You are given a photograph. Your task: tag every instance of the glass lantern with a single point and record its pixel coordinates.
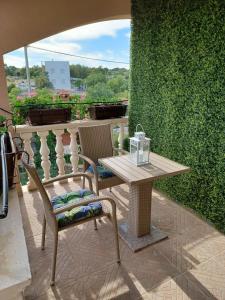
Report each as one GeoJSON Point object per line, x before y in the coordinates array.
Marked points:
{"type": "Point", "coordinates": [139, 148]}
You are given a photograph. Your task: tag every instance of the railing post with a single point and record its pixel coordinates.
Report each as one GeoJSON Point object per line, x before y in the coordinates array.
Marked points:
{"type": "Point", "coordinates": [26, 137]}
{"type": "Point", "coordinates": [59, 151]}
{"type": "Point", "coordinates": [121, 136]}
{"type": "Point", "coordinates": [74, 149]}
{"type": "Point", "coordinates": [44, 150]}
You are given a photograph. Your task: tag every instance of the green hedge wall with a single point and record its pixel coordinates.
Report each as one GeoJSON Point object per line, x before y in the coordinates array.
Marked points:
{"type": "Point", "coordinates": [178, 95]}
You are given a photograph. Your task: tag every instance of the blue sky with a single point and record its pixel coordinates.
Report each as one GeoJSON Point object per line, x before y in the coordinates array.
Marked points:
{"type": "Point", "coordinates": [108, 40]}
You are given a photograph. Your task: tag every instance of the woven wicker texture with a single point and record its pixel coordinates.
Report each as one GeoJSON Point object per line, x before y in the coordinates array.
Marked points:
{"type": "Point", "coordinates": [96, 141]}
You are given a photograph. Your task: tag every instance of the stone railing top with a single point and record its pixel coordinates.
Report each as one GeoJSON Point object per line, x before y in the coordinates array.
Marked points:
{"type": "Point", "coordinates": [74, 124]}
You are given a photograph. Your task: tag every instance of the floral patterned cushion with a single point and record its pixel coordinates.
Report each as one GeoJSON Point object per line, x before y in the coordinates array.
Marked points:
{"type": "Point", "coordinates": [102, 172]}
{"type": "Point", "coordinates": [78, 213]}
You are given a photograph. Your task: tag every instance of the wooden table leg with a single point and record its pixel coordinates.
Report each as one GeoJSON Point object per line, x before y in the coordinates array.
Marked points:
{"type": "Point", "coordinates": [139, 233]}
{"type": "Point", "coordinates": [140, 200]}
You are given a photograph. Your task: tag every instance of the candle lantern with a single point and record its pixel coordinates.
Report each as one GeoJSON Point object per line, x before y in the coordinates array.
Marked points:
{"type": "Point", "coordinates": [139, 147]}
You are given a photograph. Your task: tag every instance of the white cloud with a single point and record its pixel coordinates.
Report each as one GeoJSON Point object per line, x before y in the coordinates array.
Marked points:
{"type": "Point", "coordinates": [92, 31]}
{"type": "Point", "coordinates": [14, 60]}
{"type": "Point", "coordinates": [68, 42]}
{"type": "Point", "coordinates": [67, 47]}
{"type": "Point", "coordinates": [37, 57]}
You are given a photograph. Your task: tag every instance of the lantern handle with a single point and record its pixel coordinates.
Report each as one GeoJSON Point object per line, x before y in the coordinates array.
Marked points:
{"type": "Point", "coordinates": [140, 126]}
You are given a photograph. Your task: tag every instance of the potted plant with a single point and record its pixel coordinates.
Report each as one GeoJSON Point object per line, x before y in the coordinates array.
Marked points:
{"type": "Point", "coordinates": [48, 115]}
{"type": "Point", "coordinates": [108, 110]}
{"type": "Point", "coordinates": [41, 109]}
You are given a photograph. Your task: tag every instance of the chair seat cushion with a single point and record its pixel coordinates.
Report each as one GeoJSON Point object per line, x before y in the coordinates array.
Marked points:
{"type": "Point", "coordinates": [102, 172]}
{"type": "Point", "coordinates": [79, 213]}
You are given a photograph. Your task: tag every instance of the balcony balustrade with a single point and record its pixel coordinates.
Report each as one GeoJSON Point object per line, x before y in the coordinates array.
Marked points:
{"type": "Point", "coordinates": [26, 133]}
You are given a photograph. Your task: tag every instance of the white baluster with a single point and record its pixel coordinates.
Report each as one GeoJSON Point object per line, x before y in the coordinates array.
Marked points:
{"type": "Point", "coordinates": [74, 149]}
{"type": "Point", "coordinates": [59, 151]}
{"type": "Point", "coordinates": [26, 137]}
{"type": "Point", "coordinates": [121, 136]}
{"type": "Point", "coordinates": [44, 150]}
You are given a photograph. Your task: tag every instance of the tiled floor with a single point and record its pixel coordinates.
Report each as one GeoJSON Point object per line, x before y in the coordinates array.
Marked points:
{"type": "Point", "coordinates": [188, 265]}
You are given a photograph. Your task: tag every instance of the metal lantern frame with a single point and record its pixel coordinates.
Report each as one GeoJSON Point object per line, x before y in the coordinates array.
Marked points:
{"type": "Point", "coordinates": [135, 142]}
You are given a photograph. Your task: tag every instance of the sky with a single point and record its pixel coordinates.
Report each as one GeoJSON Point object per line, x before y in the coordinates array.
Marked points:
{"type": "Point", "coordinates": [108, 40]}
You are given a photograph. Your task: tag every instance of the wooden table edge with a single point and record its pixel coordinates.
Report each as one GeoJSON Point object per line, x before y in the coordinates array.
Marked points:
{"type": "Point", "coordinates": [131, 182]}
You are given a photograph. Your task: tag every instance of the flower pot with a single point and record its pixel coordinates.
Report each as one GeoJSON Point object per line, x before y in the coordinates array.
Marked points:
{"type": "Point", "coordinates": [47, 116]}
{"type": "Point", "coordinates": [66, 138]}
{"type": "Point", "coordinates": [103, 111]}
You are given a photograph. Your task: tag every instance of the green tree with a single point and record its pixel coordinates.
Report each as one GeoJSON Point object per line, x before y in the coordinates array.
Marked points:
{"type": "Point", "coordinates": [78, 83]}
{"type": "Point", "coordinates": [35, 71]}
{"type": "Point", "coordinates": [10, 70]}
{"type": "Point", "coordinates": [78, 71]}
{"type": "Point", "coordinates": [10, 87]}
{"type": "Point", "coordinates": [42, 81]}
{"type": "Point", "coordinates": [94, 79]}
{"type": "Point", "coordinates": [118, 84]}
{"type": "Point", "coordinates": [14, 93]}
{"type": "Point", "coordinates": [100, 92]}
{"type": "Point", "coordinates": [21, 72]}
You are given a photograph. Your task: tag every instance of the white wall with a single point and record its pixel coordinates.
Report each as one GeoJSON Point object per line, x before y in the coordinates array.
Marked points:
{"type": "Point", "coordinates": [59, 74]}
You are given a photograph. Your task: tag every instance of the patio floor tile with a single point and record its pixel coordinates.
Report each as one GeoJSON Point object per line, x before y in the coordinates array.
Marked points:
{"type": "Point", "coordinates": [190, 264]}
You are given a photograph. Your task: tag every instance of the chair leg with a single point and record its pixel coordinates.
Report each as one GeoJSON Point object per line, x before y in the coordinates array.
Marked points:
{"type": "Point", "coordinates": [116, 234]}
{"type": "Point", "coordinates": [95, 224]}
{"type": "Point", "coordinates": [110, 189]}
{"type": "Point", "coordinates": [97, 190]}
{"type": "Point", "coordinates": [43, 233]}
{"type": "Point", "coordinates": [83, 185]}
{"type": "Point", "coordinates": [54, 259]}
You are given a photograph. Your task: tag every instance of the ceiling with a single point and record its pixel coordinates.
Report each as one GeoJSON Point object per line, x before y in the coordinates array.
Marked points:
{"type": "Point", "coordinates": [26, 21]}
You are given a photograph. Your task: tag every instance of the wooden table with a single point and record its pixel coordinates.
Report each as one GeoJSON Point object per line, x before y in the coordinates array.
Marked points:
{"type": "Point", "coordinates": [138, 232]}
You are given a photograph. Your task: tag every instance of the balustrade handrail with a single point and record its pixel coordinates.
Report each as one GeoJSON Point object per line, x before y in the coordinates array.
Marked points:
{"type": "Point", "coordinates": [73, 124]}
{"type": "Point", "coordinates": [67, 103]}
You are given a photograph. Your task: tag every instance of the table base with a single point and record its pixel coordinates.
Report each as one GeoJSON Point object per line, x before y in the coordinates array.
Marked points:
{"type": "Point", "coordinates": [138, 243]}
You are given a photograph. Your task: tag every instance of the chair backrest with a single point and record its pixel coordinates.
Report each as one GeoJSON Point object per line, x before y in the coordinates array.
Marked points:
{"type": "Point", "coordinates": [96, 141]}
{"type": "Point", "coordinates": [48, 210]}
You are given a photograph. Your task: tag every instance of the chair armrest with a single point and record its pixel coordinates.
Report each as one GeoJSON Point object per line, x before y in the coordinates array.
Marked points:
{"type": "Point", "coordinates": [83, 203]}
{"type": "Point", "coordinates": [78, 174]}
{"type": "Point", "coordinates": [91, 163]}
{"type": "Point", "coordinates": [120, 150]}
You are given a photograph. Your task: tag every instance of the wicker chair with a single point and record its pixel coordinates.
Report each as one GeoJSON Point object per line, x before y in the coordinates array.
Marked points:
{"type": "Point", "coordinates": [96, 142]}
{"type": "Point", "coordinates": [70, 209]}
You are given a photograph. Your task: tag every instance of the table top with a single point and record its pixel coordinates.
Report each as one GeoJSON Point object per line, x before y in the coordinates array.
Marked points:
{"type": "Point", "coordinates": [159, 167]}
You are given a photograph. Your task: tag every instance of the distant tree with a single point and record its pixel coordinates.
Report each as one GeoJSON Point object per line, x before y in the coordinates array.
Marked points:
{"type": "Point", "coordinates": [10, 70]}
{"type": "Point", "coordinates": [118, 84]}
{"type": "Point", "coordinates": [10, 87]}
{"type": "Point", "coordinates": [21, 72]}
{"type": "Point", "coordinates": [79, 83]}
{"type": "Point", "coordinates": [78, 71]}
{"type": "Point", "coordinates": [35, 71]}
{"type": "Point", "coordinates": [14, 93]}
{"type": "Point", "coordinates": [95, 78]}
{"type": "Point", "coordinates": [42, 81]}
{"type": "Point", "coordinates": [100, 91]}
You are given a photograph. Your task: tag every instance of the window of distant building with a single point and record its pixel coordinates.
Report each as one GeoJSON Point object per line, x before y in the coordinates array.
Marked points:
{"type": "Point", "coordinates": [63, 81]}
{"type": "Point", "coordinates": [52, 70]}
{"type": "Point", "coordinates": [62, 71]}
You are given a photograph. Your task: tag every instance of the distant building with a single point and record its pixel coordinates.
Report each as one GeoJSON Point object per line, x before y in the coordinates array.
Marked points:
{"type": "Point", "coordinates": [58, 74]}
{"type": "Point", "coordinates": [22, 84]}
